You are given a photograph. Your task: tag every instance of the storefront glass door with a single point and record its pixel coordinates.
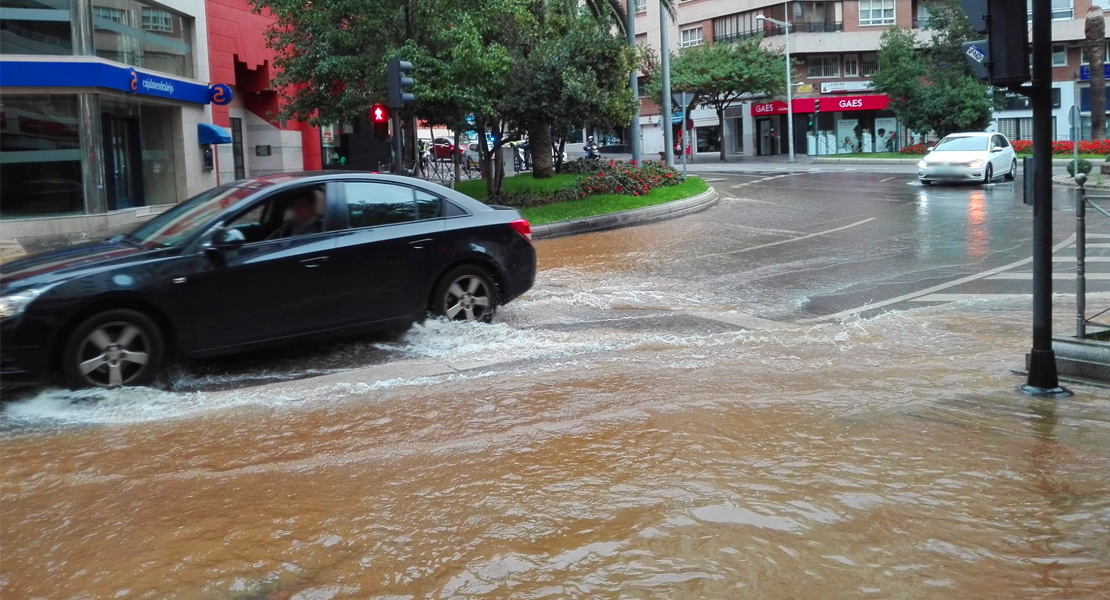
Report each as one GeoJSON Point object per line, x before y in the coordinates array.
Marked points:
{"type": "Point", "coordinates": [123, 164]}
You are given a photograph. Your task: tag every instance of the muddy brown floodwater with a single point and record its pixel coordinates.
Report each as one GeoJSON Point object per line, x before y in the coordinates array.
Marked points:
{"type": "Point", "coordinates": [654, 453]}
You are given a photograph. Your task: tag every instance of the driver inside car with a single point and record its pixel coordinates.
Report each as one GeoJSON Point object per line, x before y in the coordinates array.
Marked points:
{"type": "Point", "coordinates": [303, 217]}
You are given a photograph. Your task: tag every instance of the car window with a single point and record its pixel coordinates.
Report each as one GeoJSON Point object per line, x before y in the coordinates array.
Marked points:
{"type": "Point", "coordinates": [428, 206]}
{"type": "Point", "coordinates": [374, 204]}
{"type": "Point", "coordinates": [1000, 140]}
{"type": "Point", "coordinates": [962, 143]}
{"type": "Point", "coordinates": [292, 213]}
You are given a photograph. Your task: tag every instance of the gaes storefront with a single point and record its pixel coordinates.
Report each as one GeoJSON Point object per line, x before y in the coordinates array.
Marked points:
{"type": "Point", "coordinates": [844, 125]}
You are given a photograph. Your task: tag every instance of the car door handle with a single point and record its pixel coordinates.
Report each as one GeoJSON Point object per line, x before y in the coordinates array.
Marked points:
{"type": "Point", "coordinates": [312, 263]}
{"type": "Point", "coordinates": [419, 244]}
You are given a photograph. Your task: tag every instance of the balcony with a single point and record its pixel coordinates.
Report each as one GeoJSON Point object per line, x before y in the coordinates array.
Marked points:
{"type": "Point", "coordinates": [816, 27]}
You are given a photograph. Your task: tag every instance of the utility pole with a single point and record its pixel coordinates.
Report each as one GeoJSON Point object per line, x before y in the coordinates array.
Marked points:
{"type": "Point", "coordinates": [665, 67]}
{"type": "Point", "coordinates": [789, 80]}
{"type": "Point", "coordinates": [1043, 379]}
{"type": "Point", "coordinates": [634, 127]}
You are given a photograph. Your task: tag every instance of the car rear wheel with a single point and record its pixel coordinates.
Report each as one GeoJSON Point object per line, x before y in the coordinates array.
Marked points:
{"type": "Point", "coordinates": [1013, 171]}
{"type": "Point", "coordinates": [988, 174]}
{"type": "Point", "coordinates": [112, 349]}
{"type": "Point", "coordinates": [466, 293]}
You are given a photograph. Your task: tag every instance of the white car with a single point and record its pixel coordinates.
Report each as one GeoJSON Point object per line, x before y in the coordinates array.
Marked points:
{"type": "Point", "coordinates": [969, 157]}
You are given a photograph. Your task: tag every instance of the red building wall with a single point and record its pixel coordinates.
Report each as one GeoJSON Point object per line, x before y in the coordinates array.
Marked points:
{"type": "Point", "coordinates": [238, 56]}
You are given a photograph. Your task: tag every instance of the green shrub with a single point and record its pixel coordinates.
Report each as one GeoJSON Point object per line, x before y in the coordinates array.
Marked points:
{"type": "Point", "coordinates": [1085, 167]}
{"type": "Point", "coordinates": [602, 177]}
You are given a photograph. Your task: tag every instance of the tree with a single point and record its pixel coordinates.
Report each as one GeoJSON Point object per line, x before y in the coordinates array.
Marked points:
{"type": "Point", "coordinates": [1095, 30]}
{"type": "Point", "coordinates": [723, 74]}
{"type": "Point", "coordinates": [929, 84]}
{"type": "Point", "coordinates": [570, 69]}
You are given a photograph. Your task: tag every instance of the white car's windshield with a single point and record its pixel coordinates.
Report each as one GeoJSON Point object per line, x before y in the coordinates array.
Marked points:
{"type": "Point", "coordinates": [962, 144]}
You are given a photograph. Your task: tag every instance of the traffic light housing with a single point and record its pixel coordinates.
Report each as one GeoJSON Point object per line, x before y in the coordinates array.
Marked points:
{"type": "Point", "coordinates": [1003, 58]}
{"type": "Point", "coordinates": [399, 83]}
{"type": "Point", "coordinates": [817, 105]}
{"type": "Point", "coordinates": [379, 120]}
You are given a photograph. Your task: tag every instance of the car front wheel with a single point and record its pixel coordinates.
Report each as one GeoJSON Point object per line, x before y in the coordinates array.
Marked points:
{"type": "Point", "coordinates": [466, 293]}
{"type": "Point", "coordinates": [112, 349]}
{"type": "Point", "coordinates": [1013, 171]}
{"type": "Point", "coordinates": [988, 174]}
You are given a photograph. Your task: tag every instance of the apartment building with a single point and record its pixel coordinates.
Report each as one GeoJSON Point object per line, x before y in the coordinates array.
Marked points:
{"type": "Point", "coordinates": [835, 49]}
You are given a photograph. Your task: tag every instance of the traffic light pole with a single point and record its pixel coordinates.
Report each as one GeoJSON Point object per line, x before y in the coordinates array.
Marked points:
{"type": "Point", "coordinates": [398, 159]}
{"type": "Point", "coordinates": [1042, 379]}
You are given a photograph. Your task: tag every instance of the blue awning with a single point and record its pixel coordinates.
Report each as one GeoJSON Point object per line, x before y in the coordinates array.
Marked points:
{"type": "Point", "coordinates": [208, 133]}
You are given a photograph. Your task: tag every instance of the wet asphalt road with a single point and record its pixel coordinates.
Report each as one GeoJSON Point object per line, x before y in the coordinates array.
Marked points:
{"type": "Point", "coordinates": [800, 393]}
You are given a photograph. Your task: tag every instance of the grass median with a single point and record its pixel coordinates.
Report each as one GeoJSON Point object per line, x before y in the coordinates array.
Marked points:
{"type": "Point", "coordinates": [600, 204]}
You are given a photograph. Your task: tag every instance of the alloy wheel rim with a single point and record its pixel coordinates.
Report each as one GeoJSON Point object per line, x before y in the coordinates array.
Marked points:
{"type": "Point", "coordinates": [113, 354]}
{"type": "Point", "coordinates": [467, 299]}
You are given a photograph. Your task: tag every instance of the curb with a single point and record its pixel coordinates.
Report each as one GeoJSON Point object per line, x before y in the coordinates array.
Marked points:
{"type": "Point", "coordinates": [1056, 162]}
{"type": "Point", "coordinates": [627, 218]}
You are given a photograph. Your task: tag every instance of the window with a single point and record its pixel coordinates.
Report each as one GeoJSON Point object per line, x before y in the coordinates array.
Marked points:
{"type": "Point", "coordinates": [691, 37]}
{"type": "Point", "coordinates": [1000, 140]}
{"type": "Point", "coordinates": [1059, 55]}
{"type": "Point", "coordinates": [876, 12]}
{"type": "Point", "coordinates": [107, 13]}
{"type": "Point", "coordinates": [1061, 9]}
{"type": "Point", "coordinates": [376, 204]}
{"type": "Point", "coordinates": [40, 27]}
{"type": "Point", "coordinates": [869, 64]}
{"type": "Point", "coordinates": [428, 206]}
{"type": "Point", "coordinates": [295, 213]}
{"type": "Point", "coordinates": [40, 164]}
{"type": "Point", "coordinates": [641, 6]}
{"type": "Point", "coordinates": [156, 19]}
{"type": "Point", "coordinates": [822, 66]}
{"type": "Point", "coordinates": [851, 65]}
{"type": "Point", "coordinates": [736, 27]}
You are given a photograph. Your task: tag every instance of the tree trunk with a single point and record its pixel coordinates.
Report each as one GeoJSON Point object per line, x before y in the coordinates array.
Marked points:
{"type": "Point", "coordinates": [539, 143]}
{"type": "Point", "coordinates": [721, 132]}
{"type": "Point", "coordinates": [457, 156]}
{"type": "Point", "coordinates": [494, 186]}
{"type": "Point", "coordinates": [1095, 30]}
{"type": "Point", "coordinates": [559, 155]}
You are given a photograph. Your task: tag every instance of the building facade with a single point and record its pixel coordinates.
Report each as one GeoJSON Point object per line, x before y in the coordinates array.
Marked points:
{"type": "Point", "coordinates": [261, 143]}
{"type": "Point", "coordinates": [101, 107]}
{"type": "Point", "coordinates": [834, 46]}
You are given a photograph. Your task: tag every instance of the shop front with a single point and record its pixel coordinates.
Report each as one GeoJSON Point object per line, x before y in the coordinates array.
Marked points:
{"type": "Point", "coordinates": [86, 137]}
{"type": "Point", "coordinates": [843, 125]}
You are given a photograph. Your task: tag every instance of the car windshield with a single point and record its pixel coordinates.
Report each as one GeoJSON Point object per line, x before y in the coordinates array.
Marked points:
{"type": "Point", "coordinates": [962, 144]}
{"type": "Point", "coordinates": [180, 222]}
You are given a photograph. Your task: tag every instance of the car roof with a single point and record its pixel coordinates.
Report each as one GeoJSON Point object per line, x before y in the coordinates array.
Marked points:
{"type": "Point", "coordinates": [281, 180]}
{"type": "Point", "coordinates": [973, 134]}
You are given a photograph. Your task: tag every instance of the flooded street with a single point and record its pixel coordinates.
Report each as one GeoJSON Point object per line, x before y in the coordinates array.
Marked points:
{"type": "Point", "coordinates": [778, 398]}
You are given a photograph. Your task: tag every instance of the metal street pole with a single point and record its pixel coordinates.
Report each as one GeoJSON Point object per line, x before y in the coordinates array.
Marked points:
{"type": "Point", "coordinates": [665, 67]}
{"type": "Point", "coordinates": [1043, 379]}
{"type": "Point", "coordinates": [684, 142]}
{"type": "Point", "coordinates": [789, 83]}
{"type": "Point", "coordinates": [634, 128]}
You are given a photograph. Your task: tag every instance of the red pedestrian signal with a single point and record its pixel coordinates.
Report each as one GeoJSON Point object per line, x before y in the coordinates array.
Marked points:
{"type": "Point", "coordinates": [379, 113]}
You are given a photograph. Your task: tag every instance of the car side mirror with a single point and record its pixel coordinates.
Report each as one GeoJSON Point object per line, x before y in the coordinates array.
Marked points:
{"type": "Point", "coordinates": [996, 149]}
{"type": "Point", "coordinates": [227, 238]}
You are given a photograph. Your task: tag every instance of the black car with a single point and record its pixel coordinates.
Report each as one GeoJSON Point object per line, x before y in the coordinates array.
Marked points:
{"type": "Point", "coordinates": [258, 263]}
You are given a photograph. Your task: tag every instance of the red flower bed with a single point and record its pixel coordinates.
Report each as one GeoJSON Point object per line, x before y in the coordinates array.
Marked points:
{"type": "Point", "coordinates": [1064, 148]}
{"type": "Point", "coordinates": [617, 177]}
{"type": "Point", "coordinates": [915, 149]}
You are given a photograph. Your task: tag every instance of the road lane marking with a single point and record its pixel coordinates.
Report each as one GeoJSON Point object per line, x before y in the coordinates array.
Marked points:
{"type": "Point", "coordinates": [713, 180]}
{"type": "Point", "coordinates": [1099, 245]}
{"type": "Point", "coordinates": [958, 297]}
{"type": "Point", "coordinates": [780, 242]}
{"type": "Point", "coordinates": [1098, 236]}
{"type": "Point", "coordinates": [887, 179]}
{"type": "Point", "coordinates": [1068, 276]}
{"type": "Point", "coordinates": [935, 288]}
{"type": "Point", "coordinates": [1090, 259]}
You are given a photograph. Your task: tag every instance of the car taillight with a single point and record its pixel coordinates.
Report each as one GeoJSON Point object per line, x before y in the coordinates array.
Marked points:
{"type": "Point", "coordinates": [522, 227]}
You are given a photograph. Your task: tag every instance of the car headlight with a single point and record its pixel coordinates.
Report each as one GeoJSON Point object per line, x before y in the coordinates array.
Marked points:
{"type": "Point", "coordinates": [13, 304]}
{"type": "Point", "coordinates": [975, 163]}
{"type": "Point", "coordinates": [922, 164]}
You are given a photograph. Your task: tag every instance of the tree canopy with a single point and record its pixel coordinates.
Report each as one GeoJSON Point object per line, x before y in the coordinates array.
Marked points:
{"type": "Point", "coordinates": [721, 75]}
{"type": "Point", "coordinates": [929, 84]}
